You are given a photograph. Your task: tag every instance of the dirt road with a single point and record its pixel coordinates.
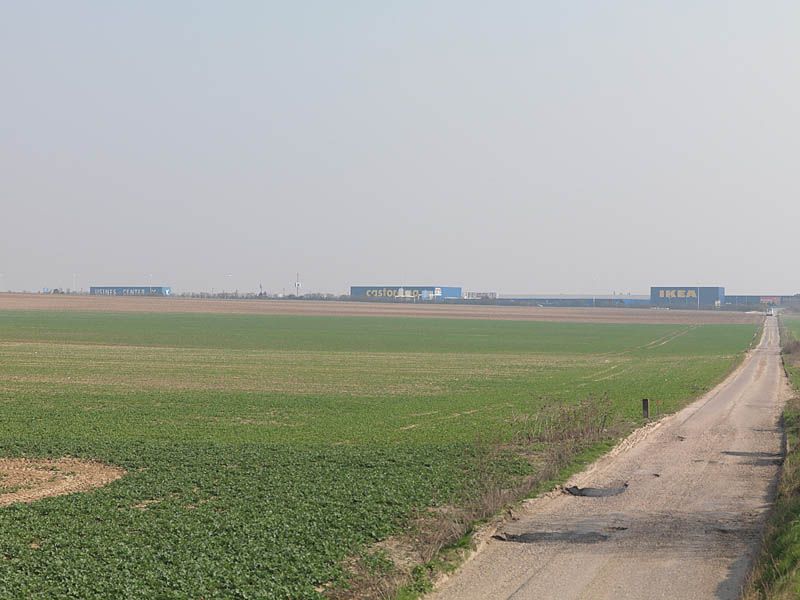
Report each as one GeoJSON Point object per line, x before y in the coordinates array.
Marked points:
{"type": "Point", "coordinates": [687, 525]}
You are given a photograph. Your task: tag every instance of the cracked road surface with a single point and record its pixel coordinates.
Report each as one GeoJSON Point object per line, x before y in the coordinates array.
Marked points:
{"type": "Point", "coordinates": [688, 524]}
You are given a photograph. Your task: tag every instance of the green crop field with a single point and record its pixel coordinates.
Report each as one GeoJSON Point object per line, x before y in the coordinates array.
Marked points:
{"type": "Point", "coordinates": [263, 451]}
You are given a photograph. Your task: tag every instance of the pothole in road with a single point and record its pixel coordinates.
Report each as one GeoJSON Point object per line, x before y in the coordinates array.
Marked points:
{"type": "Point", "coordinates": [585, 531]}
{"type": "Point", "coordinates": [757, 459]}
{"type": "Point", "coordinates": [581, 537]}
{"type": "Point", "coordinates": [595, 492]}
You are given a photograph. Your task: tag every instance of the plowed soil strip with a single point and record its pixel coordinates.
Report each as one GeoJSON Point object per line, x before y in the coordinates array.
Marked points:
{"type": "Point", "coordinates": [368, 309]}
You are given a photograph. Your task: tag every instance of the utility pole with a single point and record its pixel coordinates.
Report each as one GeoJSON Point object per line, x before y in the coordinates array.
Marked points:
{"type": "Point", "coordinates": [297, 285]}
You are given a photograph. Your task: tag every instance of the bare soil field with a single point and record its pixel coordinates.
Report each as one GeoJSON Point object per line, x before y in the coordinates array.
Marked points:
{"type": "Point", "coordinates": [28, 480]}
{"type": "Point", "coordinates": [302, 307]}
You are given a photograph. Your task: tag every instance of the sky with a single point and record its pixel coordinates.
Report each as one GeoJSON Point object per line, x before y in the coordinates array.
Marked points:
{"type": "Point", "coordinates": [580, 147]}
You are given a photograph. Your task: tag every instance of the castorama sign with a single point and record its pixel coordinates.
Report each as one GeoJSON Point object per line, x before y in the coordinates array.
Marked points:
{"type": "Point", "coordinates": [390, 292]}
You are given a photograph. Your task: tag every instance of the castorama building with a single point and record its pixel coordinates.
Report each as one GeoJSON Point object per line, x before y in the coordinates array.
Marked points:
{"type": "Point", "coordinates": [405, 292]}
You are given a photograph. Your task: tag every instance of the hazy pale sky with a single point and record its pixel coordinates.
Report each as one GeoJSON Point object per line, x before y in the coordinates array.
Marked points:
{"type": "Point", "coordinates": [509, 146]}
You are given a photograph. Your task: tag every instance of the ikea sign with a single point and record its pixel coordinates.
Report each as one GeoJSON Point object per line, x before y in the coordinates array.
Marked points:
{"type": "Point", "coordinates": [677, 293]}
{"type": "Point", "coordinates": [687, 296]}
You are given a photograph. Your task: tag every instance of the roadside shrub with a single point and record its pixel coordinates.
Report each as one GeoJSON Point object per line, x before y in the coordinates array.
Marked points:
{"type": "Point", "coordinates": [791, 346]}
{"type": "Point", "coordinates": [789, 343]}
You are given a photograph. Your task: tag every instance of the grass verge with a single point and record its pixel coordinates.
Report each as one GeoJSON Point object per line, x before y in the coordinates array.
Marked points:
{"type": "Point", "coordinates": [776, 575]}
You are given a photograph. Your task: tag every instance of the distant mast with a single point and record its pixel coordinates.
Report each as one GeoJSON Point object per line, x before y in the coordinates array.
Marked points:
{"type": "Point", "coordinates": [297, 285]}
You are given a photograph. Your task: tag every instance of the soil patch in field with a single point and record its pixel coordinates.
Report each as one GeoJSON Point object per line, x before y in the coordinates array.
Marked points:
{"type": "Point", "coordinates": [28, 480]}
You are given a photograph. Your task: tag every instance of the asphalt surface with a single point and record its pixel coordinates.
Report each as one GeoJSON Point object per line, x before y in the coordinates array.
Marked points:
{"type": "Point", "coordinates": [688, 524]}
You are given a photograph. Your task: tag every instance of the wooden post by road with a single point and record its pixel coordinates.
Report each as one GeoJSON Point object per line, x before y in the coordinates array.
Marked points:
{"type": "Point", "coordinates": [645, 408]}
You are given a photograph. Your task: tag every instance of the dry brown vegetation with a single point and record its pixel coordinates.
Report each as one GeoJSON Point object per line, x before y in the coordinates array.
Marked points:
{"type": "Point", "coordinates": [791, 347]}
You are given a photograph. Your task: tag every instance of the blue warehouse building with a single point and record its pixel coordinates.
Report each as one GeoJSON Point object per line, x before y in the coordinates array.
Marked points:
{"type": "Point", "coordinates": [578, 301]}
{"type": "Point", "coordinates": [689, 297]}
{"type": "Point", "coordinates": [405, 292]}
{"type": "Point", "coordinates": [129, 290]}
{"type": "Point", "coordinates": [738, 301]}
